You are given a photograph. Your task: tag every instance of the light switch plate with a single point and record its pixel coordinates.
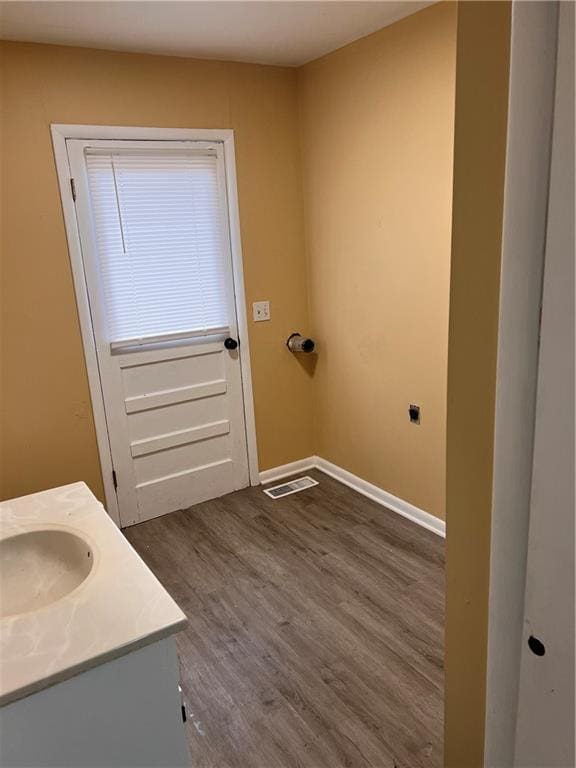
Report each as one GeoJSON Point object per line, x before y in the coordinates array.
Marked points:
{"type": "Point", "coordinates": [261, 311]}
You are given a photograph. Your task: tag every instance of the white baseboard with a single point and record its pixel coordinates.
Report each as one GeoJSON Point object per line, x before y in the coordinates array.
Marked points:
{"type": "Point", "coordinates": [401, 507]}
{"type": "Point", "coordinates": [285, 470]}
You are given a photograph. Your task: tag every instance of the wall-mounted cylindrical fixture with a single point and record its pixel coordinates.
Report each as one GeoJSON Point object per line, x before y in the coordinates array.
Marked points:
{"type": "Point", "coordinates": [298, 343]}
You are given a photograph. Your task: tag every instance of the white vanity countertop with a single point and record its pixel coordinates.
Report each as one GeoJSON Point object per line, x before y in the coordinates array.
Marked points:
{"type": "Point", "coordinates": [121, 606]}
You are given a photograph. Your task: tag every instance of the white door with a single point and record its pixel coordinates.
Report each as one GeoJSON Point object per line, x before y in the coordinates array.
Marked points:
{"type": "Point", "coordinates": [545, 730]}
{"type": "Point", "coordinates": [154, 230]}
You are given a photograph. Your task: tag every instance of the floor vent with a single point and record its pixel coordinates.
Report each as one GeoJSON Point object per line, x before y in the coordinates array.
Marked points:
{"type": "Point", "coordinates": [300, 484]}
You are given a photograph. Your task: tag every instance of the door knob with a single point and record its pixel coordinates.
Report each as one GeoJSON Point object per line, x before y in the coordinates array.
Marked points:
{"type": "Point", "coordinates": [230, 343]}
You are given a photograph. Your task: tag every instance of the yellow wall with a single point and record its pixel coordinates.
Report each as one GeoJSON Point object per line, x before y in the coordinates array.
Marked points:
{"type": "Point", "coordinates": [376, 118]}
{"type": "Point", "coordinates": [46, 422]}
{"type": "Point", "coordinates": [377, 142]}
{"type": "Point", "coordinates": [372, 124]}
{"type": "Point", "coordinates": [479, 160]}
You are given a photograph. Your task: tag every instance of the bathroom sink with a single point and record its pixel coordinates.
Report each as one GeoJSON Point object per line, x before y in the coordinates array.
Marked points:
{"type": "Point", "coordinates": [39, 567]}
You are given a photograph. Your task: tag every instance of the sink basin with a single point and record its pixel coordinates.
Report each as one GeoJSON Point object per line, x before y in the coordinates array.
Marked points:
{"type": "Point", "coordinates": [39, 567]}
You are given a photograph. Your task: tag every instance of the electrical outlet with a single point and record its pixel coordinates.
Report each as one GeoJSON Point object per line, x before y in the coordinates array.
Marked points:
{"type": "Point", "coordinates": [414, 413]}
{"type": "Point", "coordinates": [261, 311]}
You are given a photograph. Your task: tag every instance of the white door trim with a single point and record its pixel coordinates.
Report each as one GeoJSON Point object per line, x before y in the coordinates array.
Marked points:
{"type": "Point", "coordinates": [60, 133]}
{"type": "Point", "coordinates": [530, 118]}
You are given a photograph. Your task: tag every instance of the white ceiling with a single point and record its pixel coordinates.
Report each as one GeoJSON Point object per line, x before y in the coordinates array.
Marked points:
{"type": "Point", "coordinates": [269, 32]}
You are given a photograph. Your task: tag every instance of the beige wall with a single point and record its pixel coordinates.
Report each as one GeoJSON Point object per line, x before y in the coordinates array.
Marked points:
{"type": "Point", "coordinates": [377, 142]}
{"type": "Point", "coordinates": [46, 424]}
{"type": "Point", "coordinates": [359, 108]}
{"type": "Point", "coordinates": [479, 163]}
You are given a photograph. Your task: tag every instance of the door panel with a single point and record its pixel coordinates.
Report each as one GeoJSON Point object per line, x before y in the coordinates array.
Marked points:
{"type": "Point", "coordinates": [196, 365]}
{"type": "Point", "coordinates": [146, 423]}
{"type": "Point", "coordinates": [154, 467]}
{"type": "Point", "coordinates": [209, 481]}
{"type": "Point", "coordinates": [174, 408]}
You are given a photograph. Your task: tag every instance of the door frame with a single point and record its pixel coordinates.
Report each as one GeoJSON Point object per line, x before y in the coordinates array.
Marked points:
{"type": "Point", "coordinates": [60, 133]}
{"type": "Point", "coordinates": [525, 222]}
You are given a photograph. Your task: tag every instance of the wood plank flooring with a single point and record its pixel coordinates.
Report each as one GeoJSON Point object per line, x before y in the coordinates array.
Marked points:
{"type": "Point", "coordinates": [315, 636]}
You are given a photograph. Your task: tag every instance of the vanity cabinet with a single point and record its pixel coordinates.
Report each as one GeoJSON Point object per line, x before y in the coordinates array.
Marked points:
{"type": "Point", "coordinates": [88, 664]}
{"type": "Point", "coordinates": [124, 713]}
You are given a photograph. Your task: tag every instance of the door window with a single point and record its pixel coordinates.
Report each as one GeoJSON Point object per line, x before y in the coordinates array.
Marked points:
{"type": "Point", "coordinates": [159, 229]}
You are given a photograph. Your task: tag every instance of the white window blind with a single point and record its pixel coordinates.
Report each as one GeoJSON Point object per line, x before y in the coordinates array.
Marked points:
{"type": "Point", "coordinates": [159, 227]}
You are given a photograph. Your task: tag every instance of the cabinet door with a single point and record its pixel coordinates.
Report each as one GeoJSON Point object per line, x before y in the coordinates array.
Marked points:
{"type": "Point", "coordinates": [125, 713]}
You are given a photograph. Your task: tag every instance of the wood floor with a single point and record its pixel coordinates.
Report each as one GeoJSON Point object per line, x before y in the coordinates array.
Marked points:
{"type": "Point", "coordinates": [315, 635]}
